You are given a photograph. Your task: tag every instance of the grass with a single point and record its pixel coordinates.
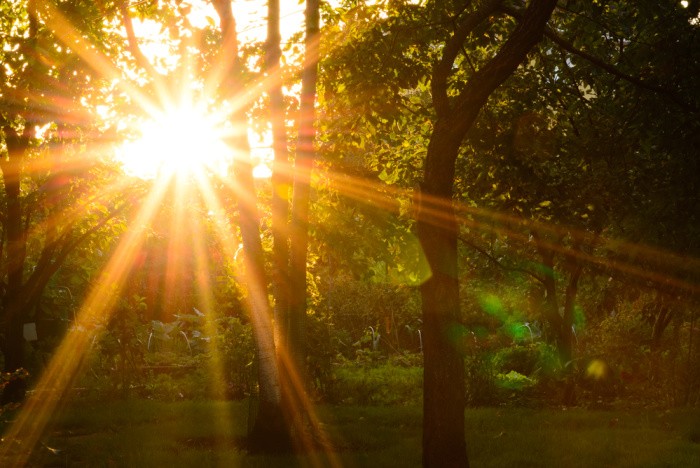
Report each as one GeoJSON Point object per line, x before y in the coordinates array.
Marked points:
{"type": "Point", "coordinates": [143, 433]}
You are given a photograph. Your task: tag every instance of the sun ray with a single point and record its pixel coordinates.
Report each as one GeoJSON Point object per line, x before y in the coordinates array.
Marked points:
{"type": "Point", "coordinates": [440, 211]}
{"type": "Point", "coordinates": [296, 391]}
{"type": "Point", "coordinates": [176, 232]}
{"type": "Point", "coordinates": [70, 36]}
{"type": "Point", "coordinates": [54, 384]}
{"type": "Point", "coordinates": [211, 315]}
{"type": "Point", "coordinates": [186, 178]}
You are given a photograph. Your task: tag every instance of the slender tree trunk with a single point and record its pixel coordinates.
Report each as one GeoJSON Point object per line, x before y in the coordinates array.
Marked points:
{"type": "Point", "coordinates": [269, 431]}
{"type": "Point", "coordinates": [663, 318]}
{"type": "Point", "coordinates": [551, 301]}
{"type": "Point", "coordinates": [13, 317]}
{"type": "Point", "coordinates": [303, 164]}
{"type": "Point", "coordinates": [692, 374]}
{"type": "Point", "coordinates": [281, 179]}
{"type": "Point", "coordinates": [567, 337]}
{"type": "Point", "coordinates": [567, 330]}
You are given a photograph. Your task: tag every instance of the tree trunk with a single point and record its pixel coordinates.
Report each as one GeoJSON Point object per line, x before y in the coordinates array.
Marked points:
{"type": "Point", "coordinates": [13, 350]}
{"type": "Point", "coordinates": [281, 180]}
{"type": "Point", "coordinates": [567, 331]}
{"type": "Point", "coordinates": [566, 334]}
{"type": "Point", "coordinates": [13, 316]}
{"type": "Point", "coordinates": [443, 386]}
{"type": "Point", "coordinates": [269, 431]}
{"type": "Point", "coordinates": [301, 196]}
{"type": "Point", "coordinates": [444, 441]}
{"type": "Point", "coordinates": [664, 314]}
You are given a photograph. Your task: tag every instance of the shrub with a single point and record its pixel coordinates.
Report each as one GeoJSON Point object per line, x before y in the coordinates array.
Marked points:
{"type": "Point", "coordinates": [234, 343]}
{"type": "Point", "coordinates": [481, 389]}
{"type": "Point", "coordinates": [520, 359]}
{"type": "Point", "coordinates": [514, 381]}
{"type": "Point", "coordinates": [382, 384]}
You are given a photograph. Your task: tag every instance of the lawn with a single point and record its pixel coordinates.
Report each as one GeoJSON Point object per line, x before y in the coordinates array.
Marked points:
{"type": "Point", "coordinates": [143, 433]}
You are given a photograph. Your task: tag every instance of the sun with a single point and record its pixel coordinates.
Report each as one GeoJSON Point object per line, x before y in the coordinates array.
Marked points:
{"type": "Point", "coordinates": [182, 141]}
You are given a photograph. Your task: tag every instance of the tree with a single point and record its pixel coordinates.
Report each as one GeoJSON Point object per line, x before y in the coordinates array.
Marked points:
{"type": "Point", "coordinates": [57, 200]}
{"type": "Point", "coordinates": [270, 431]}
{"type": "Point", "coordinates": [443, 399]}
{"type": "Point", "coordinates": [291, 195]}
{"type": "Point", "coordinates": [303, 164]}
{"type": "Point", "coordinates": [281, 178]}
{"type": "Point", "coordinates": [576, 156]}
{"type": "Point", "coordinates": [459, 89]}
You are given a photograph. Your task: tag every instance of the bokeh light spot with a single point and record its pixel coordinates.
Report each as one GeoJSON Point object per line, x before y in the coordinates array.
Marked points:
{"type": "Point", "coordinates": [597, 369]}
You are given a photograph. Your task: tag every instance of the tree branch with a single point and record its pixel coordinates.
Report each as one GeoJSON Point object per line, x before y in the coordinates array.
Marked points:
{"type": "Point", "coordinates": [603, 65]}
{"type": "Point", "coordinates": [135, 49]}
{"type": "Point", "coordinates": [443, 68]}
{"type": "Point", "coordinates": [497, 262]}
{"type": "Point", "coordinates": [524, 37]}
{"type": "Point", "coordinates": [228, 54]}
{"type": "Point", "coordinates": [48, 264]}
{"type": "Point", "coordinates": [568, 46]}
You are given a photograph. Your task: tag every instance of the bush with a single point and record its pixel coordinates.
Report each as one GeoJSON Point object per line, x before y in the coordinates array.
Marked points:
{"type": "Point", "coordinates": [384, 383]}
{"type": "Point", "coordinates": [481, 388]}
{"type": "Point", "coordinates": [234, 343]}
{"type": "Point", "coordinates": [514, 381]}
{"type": "Point", "coordinates": [519, 359]}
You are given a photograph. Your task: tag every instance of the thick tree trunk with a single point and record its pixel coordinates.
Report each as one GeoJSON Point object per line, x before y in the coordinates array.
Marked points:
{"type": "Point", "coordinates": [443, 387]}
{"type": "Point", "coordinates": [444, 441]}
{"type": "Point", "coordinates": [269, 431]}
{"type": "Point", "coordinates": [13, 351]}
{"type": "Point", "coordinates": [281, 199]}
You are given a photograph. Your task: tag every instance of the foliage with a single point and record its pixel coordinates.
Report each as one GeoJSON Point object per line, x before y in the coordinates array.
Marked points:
{"type": "Point", "coordinates": [234, 342]}
{"type": "Point", "coordinates": [363, 314]}
{"type": "Point", "coordinates": [637, 372]}
{"type": "Point", "coordinates": [172, 360]}
{"type": "Point", "coordinates": [5, 379]}
{"type": "Point", "coordinates": [367, 382]}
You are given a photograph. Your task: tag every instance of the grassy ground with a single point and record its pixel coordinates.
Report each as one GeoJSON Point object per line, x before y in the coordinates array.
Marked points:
{"type": "Point", "coordinates": [202, 434]}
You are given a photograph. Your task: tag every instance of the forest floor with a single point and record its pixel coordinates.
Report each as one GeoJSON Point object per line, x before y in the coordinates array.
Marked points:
{"type": "Point", "coordinates": [142, 433]}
